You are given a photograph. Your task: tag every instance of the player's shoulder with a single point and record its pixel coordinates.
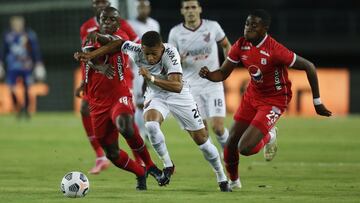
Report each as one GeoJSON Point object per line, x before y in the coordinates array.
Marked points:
{"type": "Point", "coordinates": [210, 22]}
{"type": "Point", "coordinates": [120, 33]}
{"type": "Point", "coordinates": [171, 54]}
{"type": "Point", "coordinates": [131, 46]}
{"type": "Point", "coordinates": [241, 42]}
{"type": "Point", "coordinates": [272, 43]}
{"type": "Point", "coordinates": [177, 27]}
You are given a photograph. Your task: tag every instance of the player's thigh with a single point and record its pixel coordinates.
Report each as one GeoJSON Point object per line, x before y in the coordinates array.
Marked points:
{"type": "Point", "coordinates": [122, 115]}
{"type": "Point", "coordinates": [236, 132]}
{"type": "Point", "coordinates": [27, 78]}
{"type": "Point", "coordinates": [104, 129]}
{"type": "Point", "coordinates": [266, 117]}
{"type": "Point", "coordinates": [187, 114]}
{"type": "Point", "coordinates": [84, 107]}
{"type": "Point", "coordinates": [11, 77]}
{"type": "Point", "coordinates": [215, 106]}
{"type": "Point", "coordinates": [155, 109]}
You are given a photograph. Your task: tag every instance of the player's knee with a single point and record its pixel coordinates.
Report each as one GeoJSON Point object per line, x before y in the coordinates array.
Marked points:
{"type": "Point", "coordinates": [125, 126]}
{"type": "Point", "coordinates": [218, 129]}
{"type": "Point", "coordinates": [111, 154]}
{"type": "Point", "coordinates": [152, 127]}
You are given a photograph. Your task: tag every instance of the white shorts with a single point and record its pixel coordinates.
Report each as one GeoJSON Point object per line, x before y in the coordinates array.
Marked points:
{"type": "Point", "coordinates": [182, 106]}
{"type": "Point", "coordinates": [210, 103]}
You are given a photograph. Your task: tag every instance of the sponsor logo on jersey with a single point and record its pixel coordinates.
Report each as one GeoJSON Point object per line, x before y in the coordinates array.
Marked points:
{"type": "Point", "coordinates": [120, 68]}
{"type": "Point", "coordinates": [277, 80]}
{"type": "Point", "coordinates": [245, 48]}
{"type": "Point", "coordinates": [129, 47]}
{"type": "Point", "coordinates": [256, 73]}
{"type": "Point", "coordinates": [264, 53]}
{"type": "Point", "coordinates": [172, 57]}
{"type": "Point", "coordinates": [207, 37]}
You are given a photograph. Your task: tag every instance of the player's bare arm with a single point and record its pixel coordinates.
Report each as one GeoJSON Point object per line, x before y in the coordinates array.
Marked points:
{"type": "Point", "coordinates": [172, 84]}
{"type": "Point", "coordinates": [111, 47]}
{"type": "Point", "coordinates": [303, 64]}
{"type": "Point", "coordinates": [226, 46]}
{"type": "Point", "coordinates": [220, 74]}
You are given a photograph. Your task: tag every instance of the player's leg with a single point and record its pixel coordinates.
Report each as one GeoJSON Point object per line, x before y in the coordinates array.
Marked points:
{"type": "Point", "coordinates": [257, 135]}
{"type": "Point", "coordinates": [242, 119]}
{"type": "Point", "coordinates": [216, 109]}
{"type": "Point", "coordinates": [118, 157]}
{"type": "Point", "coordinates": [101, 162]}
{"type": "Point", "coordinates": [11, 81]}
{"type": "Point", "coordinates": [188, 116]}
{"type": "Point", "coordinates": [122, 116]}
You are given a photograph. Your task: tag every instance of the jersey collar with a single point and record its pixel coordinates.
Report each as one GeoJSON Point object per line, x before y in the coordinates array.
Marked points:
{"type": "Point", "coordinates": [262, 41]}
{"type": "Point", "coordinates": [193, 30]}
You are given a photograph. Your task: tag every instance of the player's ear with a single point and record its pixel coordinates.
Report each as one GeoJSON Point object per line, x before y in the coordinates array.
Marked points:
{"type": "Point", "coordinates": [200, 9]}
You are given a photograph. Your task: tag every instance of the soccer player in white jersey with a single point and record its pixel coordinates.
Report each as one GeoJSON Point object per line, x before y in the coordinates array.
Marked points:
{"type": "Point", "coordinates": [141, 24]}
{"type": "Point", "coordinates": [166, 92]}
{"type": "Point", "coordinates": [197, 39]}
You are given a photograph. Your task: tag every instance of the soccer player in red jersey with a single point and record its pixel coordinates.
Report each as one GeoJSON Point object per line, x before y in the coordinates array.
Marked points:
{"type": "Point", "coordinates": [89, 26]}
{"type": "Point", "coordinates": [110, 101]}
{"type": "Point", "coordinates": [267, 95]}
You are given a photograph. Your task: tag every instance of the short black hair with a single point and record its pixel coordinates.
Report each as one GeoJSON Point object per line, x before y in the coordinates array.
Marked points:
{"type": "Point", "coordinates": [263, 14]}
{"type": "Point", "coordinates": [182, 1]}
{"type": "Point", "coordinates": [151, 39]}
{"type": "Point", "coordinates": [111, 9]}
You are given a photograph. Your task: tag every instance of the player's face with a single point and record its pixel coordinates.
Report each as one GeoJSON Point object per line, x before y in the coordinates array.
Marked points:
{"type": "Point", "coordinates": [143, 9]}
{"type": "Point", "coordinates": [17, 23]}
{"type": "Point", "coordinates": [109, 22]}
{"type": "Point", "coordinates": [99, 6]}
{"type": "Point", "coordinates": [191, 11]}
{"type": "Point", "coordinates": [153, 54]}
{"type": "Point", "coordinates": [254, 29]}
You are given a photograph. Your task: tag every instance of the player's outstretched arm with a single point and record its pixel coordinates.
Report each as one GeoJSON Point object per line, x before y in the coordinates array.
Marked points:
{"type": "Point", "coordinates": [172, 84]}
{"type": "Point", "coordinates": [220, 74]}
{"type": "Point", "coordinates": [113, 46]}
{"type": "Point", "coordinates": [303, 64]}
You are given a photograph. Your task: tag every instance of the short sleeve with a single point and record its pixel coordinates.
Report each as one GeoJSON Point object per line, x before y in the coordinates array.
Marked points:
{"type": "Point", "coordinates": [283, 56]}
{"type": "Point", "coordinates": [131, 49]}
{"type": "Point", "coordinates": [171, 59]}
{"type": "Point", "coordinates": [219, 32]}
{"type": "Point", "coordinates": [172, 38]}
{"type": "Point", "coordinates": [234, 54]}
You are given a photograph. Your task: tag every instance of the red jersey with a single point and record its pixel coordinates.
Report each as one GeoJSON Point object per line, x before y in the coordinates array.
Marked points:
{"type": "Point", "coordinates": [267, 64]}
{"type": "Point", "coordinates": [101, 91]}
{"type": "Point", "coordinates": [92, 25]}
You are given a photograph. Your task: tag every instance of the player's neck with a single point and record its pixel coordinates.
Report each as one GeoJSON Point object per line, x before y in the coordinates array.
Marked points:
{"type": "Point", "coordinates": [141, 19]}
{"type": "Point", "coordinates": [193, 25]}
{"type": "Point", "coordinates": [258, 41]}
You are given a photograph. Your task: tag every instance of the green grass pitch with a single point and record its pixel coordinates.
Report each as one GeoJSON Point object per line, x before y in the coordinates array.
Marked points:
{"type": "Point", "coordinates": [318, 161]}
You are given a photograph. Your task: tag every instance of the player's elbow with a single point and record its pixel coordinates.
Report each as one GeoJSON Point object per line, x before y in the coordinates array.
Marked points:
{"type": "Point", "coordinates": [178, 87]}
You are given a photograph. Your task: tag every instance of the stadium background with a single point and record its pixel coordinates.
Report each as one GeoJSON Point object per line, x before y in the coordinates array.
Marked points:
{"type": "Point", "coordinates": [326, 32]}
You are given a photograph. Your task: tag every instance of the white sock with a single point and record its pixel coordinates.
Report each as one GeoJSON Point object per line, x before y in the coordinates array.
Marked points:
{"type": "Point", "coordinates": [272, 134]}
{"type": "Point", "coordinates": [223, 138]}
{"type": "Point", "coordinates": [212, 156]}
{"type": "Point", "coordinates": [157, 140]}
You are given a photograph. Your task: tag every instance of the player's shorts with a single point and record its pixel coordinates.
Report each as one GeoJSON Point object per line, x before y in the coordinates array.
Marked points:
{"type": "Point", "coordinates": [26, 75]}
{"type": "Point", "coordinates": [210, 103]}
{"type": "Point", "coordinates": [258, 113]}
{"type": "Point", "coordinates": [104, 120]}
{"type": "Point", "coordinates": [182, 106]}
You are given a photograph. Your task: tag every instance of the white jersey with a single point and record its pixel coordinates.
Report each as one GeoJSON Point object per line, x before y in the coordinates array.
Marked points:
{"type": "Point", "coordinates": [169, 63]}
{"type": "Point", "coordinates": [198, 48]}
{"type": "Point", "coordinates": [140, 27]}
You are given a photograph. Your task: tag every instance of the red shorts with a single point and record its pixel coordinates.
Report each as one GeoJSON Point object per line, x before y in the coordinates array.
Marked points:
{"type": "Point", "coordinates": [104, 120]}
{"type": "Point", "coordinates": [258, 113]}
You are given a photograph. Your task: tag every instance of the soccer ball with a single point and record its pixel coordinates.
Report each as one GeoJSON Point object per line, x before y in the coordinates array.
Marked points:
{"type": "Point", "coordinates": [75, 184]}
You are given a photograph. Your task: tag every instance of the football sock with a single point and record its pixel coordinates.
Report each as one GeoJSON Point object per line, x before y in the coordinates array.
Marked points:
{"type": "Point", "coordinates": [260, 145]}
{"type": "Point", "coordinates": [223, 138]}
{"type": "Point", "coordinates": [211, 154]}
{"type": "Point", "coordinates": [157, 140]}
{"type": "Point", "coordinates": [139, 149]}
{"type": "Point", "coordinates": [231, 159]}
{"type": "Point", "coordinates": [272, 134]}
{"type": "Point", "coordinates": [124, 162]}
{"type": "Point", "coordinates": [86, 120]}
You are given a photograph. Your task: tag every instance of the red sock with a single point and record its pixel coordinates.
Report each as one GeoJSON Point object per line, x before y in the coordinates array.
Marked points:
{"type": "Point", "coordinates": [124, 162]}
{"type": "Point", "coordinates": [260, 145]}
{"type": "Point", "coordinates": [231, 159]}
{"type": "Point", "coordinates": [139, 149]}
{"type": "Point", "coordinates": [86, 120]}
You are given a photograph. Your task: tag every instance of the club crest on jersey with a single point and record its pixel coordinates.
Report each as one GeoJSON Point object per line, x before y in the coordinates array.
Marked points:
{"type": "Point", "coordinates": [256, 73]}
{"type": "Point", "coordinates": [207, 37]}
{"type": "Point", "coordinates": [263, 61]}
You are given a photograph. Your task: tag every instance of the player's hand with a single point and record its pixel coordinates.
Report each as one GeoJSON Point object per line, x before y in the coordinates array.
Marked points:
{"type": "Point", "coordinates": [106, 70]}
{"type": "Point", "coordinates": [81, 56]}
{"type": "Point", "coordinates": [322, 110]}
{"type": "Point", "coordinates": [79, 91]}
{"type": "Point", "coordinates": [145, 73]}
{"type": "Point", "coordinates": [183, 57]}
{"type": "Point", "coordinates": [204, 72]}
{"type": "Point", "coordinates": [92, 37]}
